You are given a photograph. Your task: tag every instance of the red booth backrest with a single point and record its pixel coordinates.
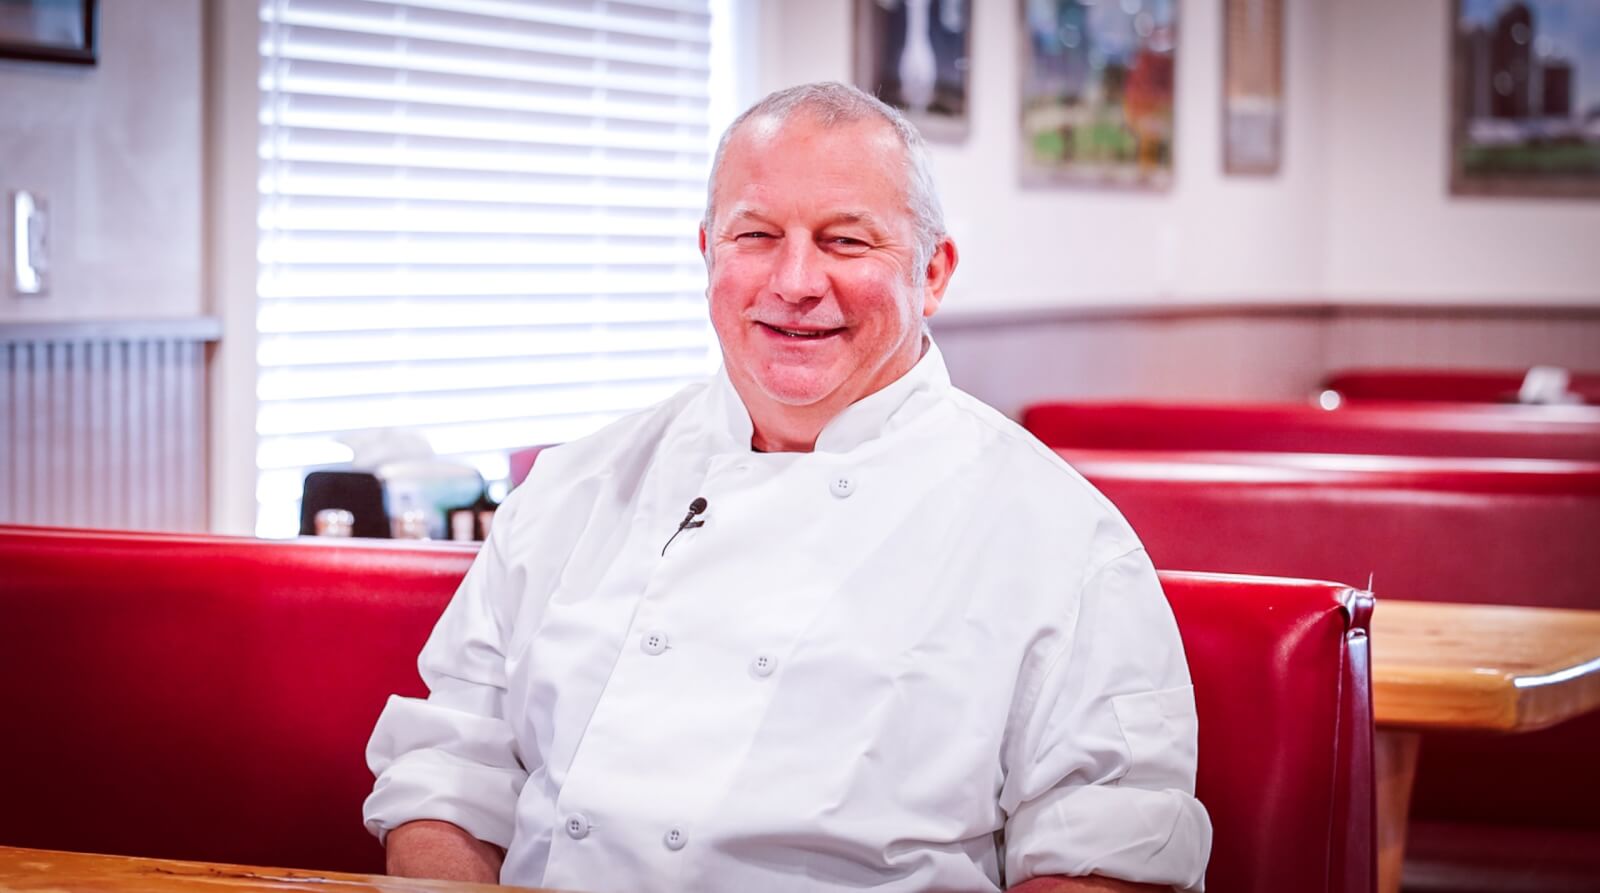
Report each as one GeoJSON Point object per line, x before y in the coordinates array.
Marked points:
{"type": "Point", "coordinates": [1530, 432]}
{"type": "Point", "coordinates": [1452, 385]}
{"type": "Point", "coordinates": [204, 698]}
{"type": "Point", "coordinates": [1282, 684]}
{"type": "Point", "coordinates": [210, 698]}
{"type": "Point", "coordinates": [1481, 531]}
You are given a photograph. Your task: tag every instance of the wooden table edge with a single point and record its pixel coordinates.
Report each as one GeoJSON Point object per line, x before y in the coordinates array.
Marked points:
{"type": "Point", "coordinates": [26, 870]}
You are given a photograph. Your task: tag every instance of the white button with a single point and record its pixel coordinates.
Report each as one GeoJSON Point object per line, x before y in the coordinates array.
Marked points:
{"type": "Point", "coordinates": [653, 643]}
{"type": "Point", "coordinates": [577, 826]}
{"type": "Point", "coordinates": [763, 665]}
{"type": "Point", "coordinates": [842, 485]}
{"type": "Point", "coordinates": [674, 839]}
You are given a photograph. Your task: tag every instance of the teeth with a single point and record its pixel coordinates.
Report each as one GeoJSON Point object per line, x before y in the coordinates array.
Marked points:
{"type": "Point", "coordinates": [797, 334]}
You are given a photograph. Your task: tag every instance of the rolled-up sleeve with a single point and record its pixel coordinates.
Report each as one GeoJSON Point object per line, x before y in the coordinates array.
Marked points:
{"type": "Point", "coordinates": [1101, 754]}
{"type": "Point", "coordinates": [452, 757]}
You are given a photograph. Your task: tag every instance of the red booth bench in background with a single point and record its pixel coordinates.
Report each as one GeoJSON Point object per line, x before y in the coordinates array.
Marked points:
{"type": "Point", "coordinates": [1519, 532]}
{"type": "Point", "coordinates": [1447, 385]}
{"type": "Point", "coordinates": [210, 698]}
{"type": "Point", "coordinates": [1529, 432]}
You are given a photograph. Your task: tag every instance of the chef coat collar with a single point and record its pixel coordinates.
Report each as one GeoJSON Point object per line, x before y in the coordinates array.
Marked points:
{"type": "Point", "coordinates": [861, 421]}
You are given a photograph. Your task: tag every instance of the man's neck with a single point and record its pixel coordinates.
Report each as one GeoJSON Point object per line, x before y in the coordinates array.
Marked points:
{"type": "Point", "coordinates": [782, 432]}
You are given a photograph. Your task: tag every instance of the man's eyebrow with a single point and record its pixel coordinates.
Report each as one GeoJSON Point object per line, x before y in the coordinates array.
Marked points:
{"type": "Point", "coordinates": [744, 210]}
{"type": "Point", "coordinates": [863, 218]}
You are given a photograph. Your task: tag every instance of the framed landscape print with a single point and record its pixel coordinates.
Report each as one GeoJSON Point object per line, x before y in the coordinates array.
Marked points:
{"type": "Point", "coordinates": [48, 30]}
{"type": "Point", "coordinates": [1252, 86]}
{"type": "Point", "coordinates": [1525, 103]}
{"type": "Point", "coordinates": [1097, 92]}
{"type": "Point", "coordinates": [913, 54]}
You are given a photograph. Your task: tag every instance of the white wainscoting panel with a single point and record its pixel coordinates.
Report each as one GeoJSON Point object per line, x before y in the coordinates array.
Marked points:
{"type": "Point", "coordinates": [1243, 352]}
{"type": "Point", "coordinates": [103, 425]}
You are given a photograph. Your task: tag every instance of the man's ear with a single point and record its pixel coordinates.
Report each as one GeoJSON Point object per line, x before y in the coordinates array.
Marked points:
{"type": "Point", "coordinates": [706, 257]}
{"type": "Point", "coordinates": [941, 265]}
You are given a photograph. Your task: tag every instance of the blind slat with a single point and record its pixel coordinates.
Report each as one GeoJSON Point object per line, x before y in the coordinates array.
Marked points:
{"type": "Point", "coordinates": [424, 161]}
{"type": "Point", "coordinates": [643, 19]}
{"type": "Point", "coordinates": [291, 317]}
{"type": "Point", "coordinates": [468, 39]}
{"type": "Point", "coordinates": [462, 406]}
{"type": "Point", "coordinates": [495, 221]}
{"type": "Point", "coordinates": [487, 129]}
{"type": "Point", "coordinates": [505, 191]}
{"type": "Point", "coordinates": [314, 384]}
{"type": "Point", "coordinates": [458, 98]}
{"type": "Point", "coordinates": [509, 74]}
{"type": "Point", "coordinates": [340, 285]}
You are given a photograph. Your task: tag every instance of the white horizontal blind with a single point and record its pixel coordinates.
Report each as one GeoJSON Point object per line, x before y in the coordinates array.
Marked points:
{"type": "Point", "coordinates": [477, 221]}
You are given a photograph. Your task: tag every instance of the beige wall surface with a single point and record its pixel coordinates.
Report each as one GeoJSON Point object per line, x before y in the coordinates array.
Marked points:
{"type": "Point", "coordinates": [116, 151]}
{"type": "Point", "coordinates": [1361, 210]}
{"type": "Point", "coordinates": [1395, 232]}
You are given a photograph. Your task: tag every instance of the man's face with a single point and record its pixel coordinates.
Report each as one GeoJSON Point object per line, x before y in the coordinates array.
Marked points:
{"type": "Point", "coordinates": [811, 265]}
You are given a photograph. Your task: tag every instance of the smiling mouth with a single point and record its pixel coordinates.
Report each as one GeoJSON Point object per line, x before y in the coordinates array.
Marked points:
{"type": "Point", "coordinates": [802, 334]}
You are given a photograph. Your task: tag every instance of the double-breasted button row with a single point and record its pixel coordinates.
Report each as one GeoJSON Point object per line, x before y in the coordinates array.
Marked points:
{"type": "Point", "coordinates": [578, 828]}
{"type": "Point", "coordinates": [654, 643]}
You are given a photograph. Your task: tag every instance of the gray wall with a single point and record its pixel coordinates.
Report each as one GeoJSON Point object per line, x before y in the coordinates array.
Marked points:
{"type": "Point", "coordinates": [116, 150]}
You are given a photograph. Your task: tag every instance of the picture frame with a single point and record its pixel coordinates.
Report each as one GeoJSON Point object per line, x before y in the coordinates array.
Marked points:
{"type": "Point", "coordinates": [1252, 87]}
{"type": "Point", "coordinates": [1097, 86]}
{"type": "Point", "coordinates": [916, 56]}
{"type": "Point", "coordinates": [1525, 98]}
{"type": "Point", "coordinates": [49, 31]}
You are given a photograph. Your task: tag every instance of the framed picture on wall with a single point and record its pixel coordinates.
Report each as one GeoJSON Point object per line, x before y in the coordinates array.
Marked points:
{"type": "Point", "coordinates": [1525, 104]}
{"type": "Point", "coordinates": [48, 30]}
{"type": "Point", "coordinates": [913, 54]}
{"type": "Point", "coordinates": [1252, 86]}
{"type": "Point", "coordinates": [1097, 92]}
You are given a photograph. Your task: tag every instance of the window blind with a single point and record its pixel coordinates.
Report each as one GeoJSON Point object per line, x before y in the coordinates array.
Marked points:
{"type": "Point", "coordinates": [476, 221]}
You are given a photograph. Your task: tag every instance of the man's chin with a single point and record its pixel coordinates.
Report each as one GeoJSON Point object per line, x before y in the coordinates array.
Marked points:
{"type": "Point", "coordinates": [796, 388]}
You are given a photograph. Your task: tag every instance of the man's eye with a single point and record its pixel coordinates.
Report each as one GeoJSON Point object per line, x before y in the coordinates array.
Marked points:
{"type": "Point", "coordinates": [754, 235]}
{"type": "Point", "coordinates": [846, 243]}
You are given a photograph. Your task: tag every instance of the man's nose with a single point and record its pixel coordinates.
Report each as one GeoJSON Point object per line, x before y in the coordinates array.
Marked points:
{"type": "Point", "coordinates": [799, 275]}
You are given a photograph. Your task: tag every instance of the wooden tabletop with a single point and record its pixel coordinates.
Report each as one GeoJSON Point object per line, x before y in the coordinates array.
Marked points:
{"type": "Point", "coordinates": [39, 871]}
{"type": "Point", "coordinates": [1482, 667]}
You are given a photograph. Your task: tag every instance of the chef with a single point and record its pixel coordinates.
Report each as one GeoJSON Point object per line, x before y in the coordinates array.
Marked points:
{"type": "Point", "coordinates": [823, 622]}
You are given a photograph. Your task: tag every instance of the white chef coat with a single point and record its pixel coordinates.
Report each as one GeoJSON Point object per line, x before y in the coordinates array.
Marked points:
{"type": "Point", "coordinates": [869, 661]}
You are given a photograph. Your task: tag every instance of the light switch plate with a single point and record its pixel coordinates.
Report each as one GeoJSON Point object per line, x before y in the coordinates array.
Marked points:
{"type": "Point", "coordinates": [30, 243]}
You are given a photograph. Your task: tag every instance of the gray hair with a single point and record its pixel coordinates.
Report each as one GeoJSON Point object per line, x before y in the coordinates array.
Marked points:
{"type": "Point", "coordinates": [833, 104]}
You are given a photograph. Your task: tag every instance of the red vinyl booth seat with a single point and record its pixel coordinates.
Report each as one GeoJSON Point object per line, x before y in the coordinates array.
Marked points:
{"type": "Point", "coordinates": [1447, 385]}
{"type": "Point", "coordinates": [1529, 432]}
{"type": "Point", "coordinates": [1521, 532]}
{"type": "Point", "coordinates": [210, 698]}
